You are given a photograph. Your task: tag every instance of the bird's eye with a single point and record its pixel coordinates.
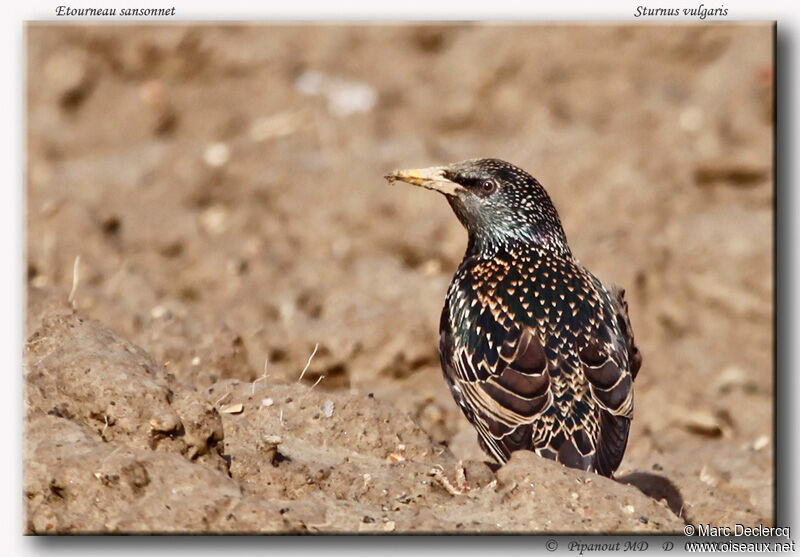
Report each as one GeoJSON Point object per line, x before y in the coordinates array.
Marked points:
{"type": "Point", "coordinates": [488, 186]}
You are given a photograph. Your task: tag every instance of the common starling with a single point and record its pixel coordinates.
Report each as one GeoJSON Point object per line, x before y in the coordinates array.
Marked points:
{"type": "Point", "coordinates": [538, 354]}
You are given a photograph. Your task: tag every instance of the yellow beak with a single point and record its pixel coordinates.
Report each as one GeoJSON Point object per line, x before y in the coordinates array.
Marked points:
{"type": "Point", "coordinates": [432, 178]}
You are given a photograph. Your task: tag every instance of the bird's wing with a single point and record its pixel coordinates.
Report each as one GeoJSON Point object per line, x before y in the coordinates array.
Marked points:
{"type": "Point", "coordinates": [506, 397]}
{"type": "Point", "coordinates": [608, 360]}
{"type": "Point", "coordinates": [496, 367]}
{"type": "Point", "coordinates": [615, 421]}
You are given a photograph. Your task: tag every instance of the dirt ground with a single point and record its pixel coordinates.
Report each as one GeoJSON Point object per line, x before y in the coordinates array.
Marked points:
{"type": "Point", "coordinates": [222, 186]}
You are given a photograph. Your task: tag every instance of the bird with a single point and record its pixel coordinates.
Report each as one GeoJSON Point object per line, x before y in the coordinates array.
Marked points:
{"type": "Point", "coordinates": [537, 352]}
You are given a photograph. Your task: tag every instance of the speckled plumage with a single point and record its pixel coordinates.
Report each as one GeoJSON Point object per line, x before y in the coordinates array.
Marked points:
{"type": "Point", "coordinates": [538, 354]}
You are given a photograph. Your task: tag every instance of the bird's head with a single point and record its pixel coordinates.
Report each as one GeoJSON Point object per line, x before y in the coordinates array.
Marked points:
{"type": "Point", "coordinates": [500, 205]}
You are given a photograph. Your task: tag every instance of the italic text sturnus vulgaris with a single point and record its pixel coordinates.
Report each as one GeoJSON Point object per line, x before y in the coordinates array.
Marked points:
{"type": "Point", "coordinates": [700, 12]}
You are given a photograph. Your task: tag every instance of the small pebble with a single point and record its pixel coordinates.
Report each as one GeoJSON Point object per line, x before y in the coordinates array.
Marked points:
{"type": "Point", "coordinates": [158, 312]}
{"type": "Point", "coordinates": [216, 154]}
{"type": "Point", "coordinates": [214, 220]}
{"type": "Point", "coordinates": [760, 443]}
{"type": "Point", "coordinates": [707, 478]}
{"type": "Point", "coordinates": [276, 125]}
{"type": "Point", "coordinates": [703, 423]}
{"type": "Point", "coordinates": [395, 457]}
{"type": "Point", "coordinates": [432, 267]}
{"type": "Point", "coordinates": [733, 378]}
{"type": "Point", "coordinates": [267, 402]}
{"type": "Point", "coordinates": [327, 408]}
{"type": "Point", "coordinates": [165, 424]}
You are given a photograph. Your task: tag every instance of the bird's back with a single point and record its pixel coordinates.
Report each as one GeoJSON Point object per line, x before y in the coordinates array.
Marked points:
{"type": "Point", "coordinates": [540, 356]}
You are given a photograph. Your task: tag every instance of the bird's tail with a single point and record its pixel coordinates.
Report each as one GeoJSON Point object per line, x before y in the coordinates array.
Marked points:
{"type": "Point", "coordinates": [612, 442]}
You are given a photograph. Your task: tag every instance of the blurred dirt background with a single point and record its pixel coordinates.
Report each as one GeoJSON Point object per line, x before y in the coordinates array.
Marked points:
{"type": "Point", "coordinates": [223, 188]}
